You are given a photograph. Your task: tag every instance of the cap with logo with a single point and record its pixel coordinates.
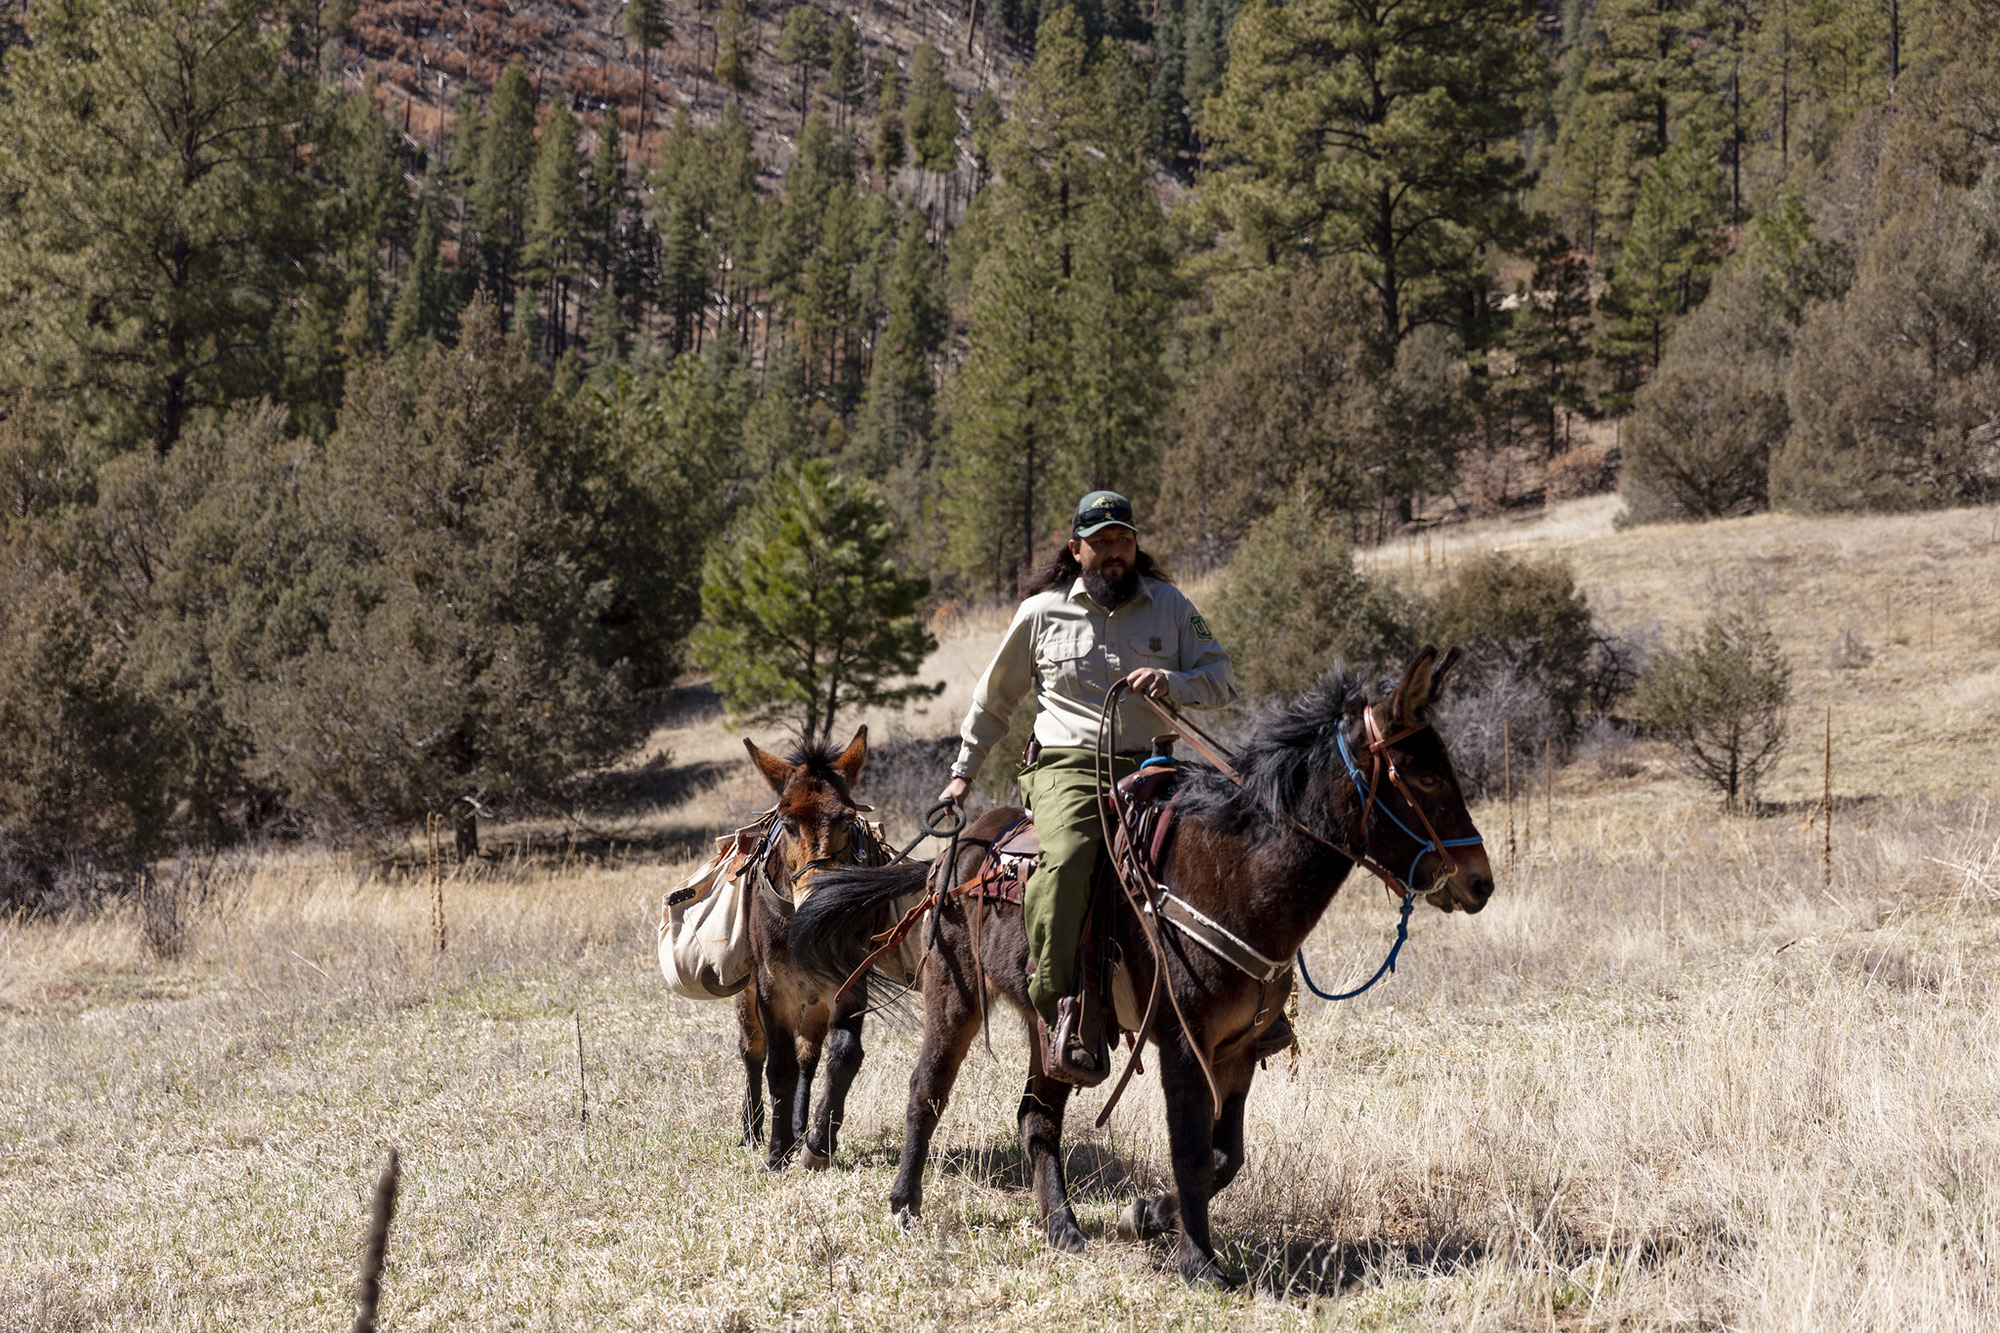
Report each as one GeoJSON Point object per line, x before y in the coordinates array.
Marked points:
{"type": "Point", "coordinates": [1100, 510]}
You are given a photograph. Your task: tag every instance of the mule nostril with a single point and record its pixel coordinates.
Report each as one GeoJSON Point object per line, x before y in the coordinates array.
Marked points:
{"type": "Point", "coordinates": [1482, 887]}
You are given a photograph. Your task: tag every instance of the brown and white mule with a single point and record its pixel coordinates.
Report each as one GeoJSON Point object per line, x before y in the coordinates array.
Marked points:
{"type": "Point", "coordinates": [784, 1019]}
{"type": "Point", "coordinates": [1260, 853]}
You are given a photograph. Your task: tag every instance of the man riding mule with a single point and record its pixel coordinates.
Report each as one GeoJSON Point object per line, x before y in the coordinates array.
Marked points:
{"type": "Point", "coordinates": [1263, 841]}
{"type": "Point", "coordinates": [1098, 611]}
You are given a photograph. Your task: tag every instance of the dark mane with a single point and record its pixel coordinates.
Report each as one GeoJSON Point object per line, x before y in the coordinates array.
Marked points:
{"type": "Point", "coordinates": [1290, 747]}
{"type": "Point", "coordinates": [817, 757]}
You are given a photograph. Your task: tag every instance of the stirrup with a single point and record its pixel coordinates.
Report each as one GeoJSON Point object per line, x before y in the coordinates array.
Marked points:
{"type": "Point", "coordinates": [1274, 1039]}
{"type": "Point", "coordinates": [1066, 1057]}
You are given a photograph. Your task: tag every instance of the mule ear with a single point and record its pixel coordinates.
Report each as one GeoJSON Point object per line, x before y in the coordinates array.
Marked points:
{"type": "Point", "coordinates": [848, 765]}
{"type": "Point", "coordinates": [1415, 691]}
{"type": "Point", "coordinates": [775, 770]}
{"type": "Point", "coordinates": [1444, 665]}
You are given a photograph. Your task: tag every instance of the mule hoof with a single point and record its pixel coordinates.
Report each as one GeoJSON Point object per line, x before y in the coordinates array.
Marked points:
{"type": "Point", "coordinates": [906, 1214]}
{"type": "Point", "coordinates": [1064, 1235]}
{"type": "Point", "coordinates": [814, 1161]}
{"type": "Point", "coordinates": [1132, 1222]}
{"type": "Point", "coordinates": [1198, 1270]}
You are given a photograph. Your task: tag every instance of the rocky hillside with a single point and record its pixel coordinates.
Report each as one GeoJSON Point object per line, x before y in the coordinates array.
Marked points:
{"type": "Point", "coordinates": [423, 52]}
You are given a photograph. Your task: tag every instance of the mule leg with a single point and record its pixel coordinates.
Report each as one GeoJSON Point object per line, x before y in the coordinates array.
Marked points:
{"type": "Point", "coordinates": [750, 1046]}
{"type": "Point", "coordinates": [843, 1062]}
{"type": "Point", "coordinates": [811, 1037]}
{"type": "Point", "coordinates": [951, 1020]}
{"type": "Point", "coordinates": [1041, 1120]}
{"type": "Point", "coordinates": [781, 1071]}
{"type": "Point", "coordinates": [1229, 1133]}
{"type": "Point", "coordinates": [1160, 1214]}
{"type": "Point", "coordinates": [1191, 1141]}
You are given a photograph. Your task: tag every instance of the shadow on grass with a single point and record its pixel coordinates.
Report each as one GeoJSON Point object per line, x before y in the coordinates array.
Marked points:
{"type": "Point", "coordinates": [1097, 1172]}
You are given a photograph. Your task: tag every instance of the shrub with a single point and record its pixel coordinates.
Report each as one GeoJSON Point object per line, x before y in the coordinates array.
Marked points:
{"type": "Point", "coordinates": [1699, 441]}
{"type": "Point", "coordinates": [1718, 697]}
{"type": "Point", "coordinates": [1291, 602]}
{"type": "Point", "coordinates": [1489, 712]}
{"type": "Point", "coordinates": [468, 624]}
{"type": "Point", "coordinates": [1525, 614]}
{"type": "Point", "coordinates": [1894, 387]}
{"type": "Point", "coordinates": [82, 786]}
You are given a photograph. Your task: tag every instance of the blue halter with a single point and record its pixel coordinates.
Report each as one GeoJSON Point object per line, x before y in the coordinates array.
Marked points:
{"type": "Point", "coordinates": [1409, 890]}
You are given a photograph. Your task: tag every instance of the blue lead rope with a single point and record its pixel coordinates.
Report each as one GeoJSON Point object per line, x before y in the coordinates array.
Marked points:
{"type": "Point", "coordinates": [1409, 880]}
{"type": "Point", "coordinates": [1388, 964]}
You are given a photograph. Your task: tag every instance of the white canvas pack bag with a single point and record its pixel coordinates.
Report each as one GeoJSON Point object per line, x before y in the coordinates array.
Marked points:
{"type": "Point", "coordinates": [705, 923]}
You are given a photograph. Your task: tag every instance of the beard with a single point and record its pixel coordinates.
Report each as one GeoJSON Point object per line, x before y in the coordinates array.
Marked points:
{"type": "Point", "coordinates": [1111, 593]}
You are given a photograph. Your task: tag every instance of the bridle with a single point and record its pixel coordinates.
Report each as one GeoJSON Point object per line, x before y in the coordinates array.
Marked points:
{"type": "Point", "coordinates": [863, 849]}
{"type": "Point", "coordinates": [1382, 757]}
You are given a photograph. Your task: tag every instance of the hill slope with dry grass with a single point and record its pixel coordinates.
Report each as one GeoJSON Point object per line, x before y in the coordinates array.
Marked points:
{"type": "Point", "coordinates": [1671, 1077]}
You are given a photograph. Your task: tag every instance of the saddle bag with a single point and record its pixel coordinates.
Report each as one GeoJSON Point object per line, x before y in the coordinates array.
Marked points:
{"type": "Point", "coordinates": [705, 923]}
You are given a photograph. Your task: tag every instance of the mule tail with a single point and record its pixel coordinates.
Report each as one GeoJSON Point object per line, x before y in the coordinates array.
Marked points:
{"type": "Point", "coordinates": [833, 931]}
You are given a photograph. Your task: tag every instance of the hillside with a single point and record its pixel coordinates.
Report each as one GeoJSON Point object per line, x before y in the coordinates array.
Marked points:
{"type": "Point", "coordinates": [423, 52]}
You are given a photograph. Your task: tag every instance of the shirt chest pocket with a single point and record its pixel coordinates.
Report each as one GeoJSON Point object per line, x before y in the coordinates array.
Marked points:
{"type": "Point", "coordinates": [1150, 650]}
{"type": "Point", "coordinates": [1069, 663]}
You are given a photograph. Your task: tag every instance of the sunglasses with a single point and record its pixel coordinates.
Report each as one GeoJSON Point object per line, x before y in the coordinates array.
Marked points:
{"type": "Point", "coordinates": [1105, 513]}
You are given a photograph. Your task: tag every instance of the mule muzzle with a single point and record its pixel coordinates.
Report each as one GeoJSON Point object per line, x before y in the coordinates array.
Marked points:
{"type": "Point", "coordinates": [1468, 886]}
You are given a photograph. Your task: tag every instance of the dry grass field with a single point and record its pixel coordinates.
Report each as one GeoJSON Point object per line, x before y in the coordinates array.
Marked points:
{"type": "Point", "coordinates": [1669, 1078]}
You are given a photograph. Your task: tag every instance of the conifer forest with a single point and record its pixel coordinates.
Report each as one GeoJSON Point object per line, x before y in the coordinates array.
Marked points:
{"type": "Point", "coordinates": [381, 381]}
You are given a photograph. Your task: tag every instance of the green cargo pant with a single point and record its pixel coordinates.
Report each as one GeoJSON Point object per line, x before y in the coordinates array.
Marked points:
{"type": "Point", "coordinates": [1061, 788]}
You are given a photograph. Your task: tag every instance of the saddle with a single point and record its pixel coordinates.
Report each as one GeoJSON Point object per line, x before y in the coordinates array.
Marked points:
{"type": "Point", "coordinates": [1078, 1050]}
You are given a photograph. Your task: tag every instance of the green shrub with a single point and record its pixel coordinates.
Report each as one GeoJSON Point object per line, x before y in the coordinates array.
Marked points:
{"type": "Point", "coordinates": [1503, 608]}
{"type": "Point", "coordinates": [1718, 697]}
{"type": "Point", "coordinates": [1291, 602]}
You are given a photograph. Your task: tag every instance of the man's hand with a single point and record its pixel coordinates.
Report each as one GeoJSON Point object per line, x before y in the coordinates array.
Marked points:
{"type": "Point", "coordinates": [955, 791]}
{"type": "Point", "coordinates": [1149, 681]}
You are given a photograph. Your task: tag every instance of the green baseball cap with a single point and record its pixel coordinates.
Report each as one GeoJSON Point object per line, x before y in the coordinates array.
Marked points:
{"type": "Point", "coordinates": [1100, 510]}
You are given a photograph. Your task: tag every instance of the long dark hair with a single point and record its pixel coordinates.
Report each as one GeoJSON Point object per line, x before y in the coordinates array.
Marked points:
{"type": "Point", "coordinates": [1060, 570]}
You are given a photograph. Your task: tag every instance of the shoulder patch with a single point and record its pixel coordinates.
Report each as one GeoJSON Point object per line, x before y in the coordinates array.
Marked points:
{"type": "Point", "coordinates": [1201, 630]}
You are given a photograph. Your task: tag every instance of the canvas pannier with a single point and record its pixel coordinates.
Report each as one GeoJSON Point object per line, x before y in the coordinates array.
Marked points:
{"type": "Point", "coordinates": [705, 923]}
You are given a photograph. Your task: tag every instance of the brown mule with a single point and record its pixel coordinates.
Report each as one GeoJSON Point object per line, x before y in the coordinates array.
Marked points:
{"type": "Point", "coordinates": [785, 1019]}
{"type": "Point", "coordinates": [1260, 855]}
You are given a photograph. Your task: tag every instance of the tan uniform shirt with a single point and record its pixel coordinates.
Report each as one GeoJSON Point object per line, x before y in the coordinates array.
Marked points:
{"type": "Point", "coordinates": [1069, 649]}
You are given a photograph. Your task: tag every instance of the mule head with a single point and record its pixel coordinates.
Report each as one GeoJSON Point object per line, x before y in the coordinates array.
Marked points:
{"type": "Point", "coordinates": [815, 790]}
{"type": "Point", "coordinates": [1426, 798]}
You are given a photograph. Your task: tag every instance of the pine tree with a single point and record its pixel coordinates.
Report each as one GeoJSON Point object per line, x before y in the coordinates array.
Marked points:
{"type": "Point", "coordinates": [805, 613]}
{"type": "Point", "coordinates": [499, 203]}
{"type": "Point", "coordinates": [1064, 383]}
{"type": "Point", "coordinates": [805, 44]}
{"type": "Point", "coordinates": [155, 222]}
{"type": "Point", "coordinates": [646, 27]}
{"type": "Point", "coordinates": [733, 50]}
{"type": "Point", "coordinates": [1663, 268]}
{"type": "Point", "coordinates": [1550, 339]}
{"type": "Point", "coordinates": [902, 384]}
{"type": "Point", "coordinates": [557, 225]}
{"type": "Point", "coordinates": [843, 67]}
{"type": "Point", "coordinates": [1397, 153]}
{"type": "Point", "coordinates": [425, 306]}
{"type": "Point", "coordinates": [931, 116]}
{"type": "Point", "coordinates": [891, 148]}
